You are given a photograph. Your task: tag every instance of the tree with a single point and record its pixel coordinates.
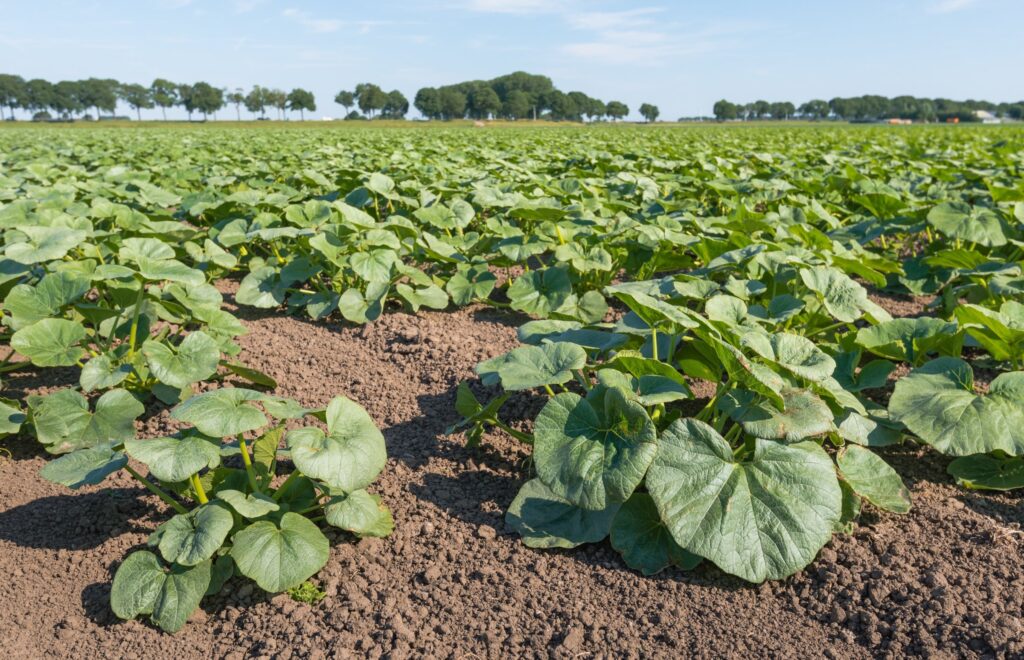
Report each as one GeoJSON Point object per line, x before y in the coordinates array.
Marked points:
{"type": "Point", "coordinates": [649, 112]}
{"type": "Point", "coordinates": [65, 99]}
{"type": "Point", "coordinates": [453, 103]}
{"type": "Point", "coordinates": [517, 105]}
{"type": "Point", "coordinates": [100, 94]}
{"type": "Point", "coordinates": [616, 109]}
{"type": "Point", "coordinates": [815, 109]}
{"type": "Point", "coordinates": [483, 101]}
{"type": "Point", "coordinates": [345, 99]}
{"type": "Point", "coordinates": [396, 105]}
{"type": "Point", "coordinates": [12, 88]}
{"type": "Point", "coordinates": [185, 100]}
{"type": "Point", "coordinates": [724, 110]}
{"type": "Point", "coordinates": [256, 100]}
{"type": "Point", "coordinates": [237, 98]}
{"type": "Point", "coordinates": [137, 97]}
{"type": "Point", "coordinates": [165, 95]}
{"type": "Point", "coordinates": [206, 98]}
{"type": "Point", "coordinates": [370, 98]}
{"type": "Point", "coordinates": [781, 110]}
{"type": "Point", "coordinates": [582, 104]}
{"type": "Point", "coordinates": [428, 102]}
{"type": "Point", "coordinates": [301, 100]}
{"type": "Point", "coordinates": [277, 99]}
{"type": "Point", "coordinates": [38, 95]}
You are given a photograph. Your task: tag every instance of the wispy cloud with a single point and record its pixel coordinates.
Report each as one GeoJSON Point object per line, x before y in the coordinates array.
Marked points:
{"type": "Point", "coordinates": [635, 40]}
{"type": "Point", "coordinates": [514, 6]}
{"type": "Point", "coordinates": [950, 6]}
{"type": "Point", "coordinates": [612, 20]}
{"type": "Point", "coordinates": [246, 6]}
{"type": "Point", "coordinates": [312, 23]}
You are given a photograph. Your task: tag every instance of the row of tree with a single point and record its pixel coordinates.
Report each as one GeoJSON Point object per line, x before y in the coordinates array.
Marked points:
{"type": "Point", "coordinates": [868, 108]}
{"type": "Point", "coordinates": [71, 98]}
{"type": "Point", "coordinates": [517, 95]}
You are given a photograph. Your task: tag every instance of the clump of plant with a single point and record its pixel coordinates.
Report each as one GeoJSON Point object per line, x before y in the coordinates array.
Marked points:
{"type": "Point", "coordinates": [240, 508]}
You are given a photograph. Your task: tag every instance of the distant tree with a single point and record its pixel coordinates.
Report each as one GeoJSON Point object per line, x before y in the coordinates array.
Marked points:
{"type": "Point", "coordinates": [616, 109]}
{"type": "Point", "coordinates": [596, 108]}
{"type": "Point", "coordinates": [98, 93]}
{"type": "Point", "coordinates": [345, 100]}
{"type": "Point", "coordinates": [453, 103]}
{"type": "Point", "coordinates": [761, 109]}
{"type": "Point", "coordinates": [582, 103]}
{"type": "Point", "coordinates": [428, 102]}
{"type": "Point", "coordinates": [207, 99]}
{"type": "Point", "coordinates": [278, 100]}
{"type": "Point", "coordinates": [236, 98]}
{"type": "Point", "coordinates": [724, 110]}
{"type": "Point", "coordinates": [12, 88]}
{"type": "Point", "coordinates": [66, 98]}
{"type": "Point", "coordinates": [370, 98]}
{"type": "Point", "coordinates": [256, 101]}
{"type": "Point", "coordinates": [483, 101]}
{"type": "Point", "coordinates": [185, 99]}
{"type": "Point", "coordinates": [396, 105]}
{"type": "Point", "coordinates": [560, 106]}
{"type": "Point", "coordinates": [814, 109]}
{"type": "Point", "coordinates": [137, 97]}
{"type": "Point", "coordinates": [165, 95]}
{"type": "Point", "coordinates": [301, 100]}
{"type": "Point", "coordinates": [781, 110]}
{"type": "Point", "coordinates": [649, 112]}
{"type": "Point", "coordinates": [517, 105]}
{"type": "Point", "coordinates": [38, 95]}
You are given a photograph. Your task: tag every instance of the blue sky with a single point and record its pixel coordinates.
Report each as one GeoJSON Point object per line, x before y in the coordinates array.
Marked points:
{"type": "Point", "coordinates": [679, 55]}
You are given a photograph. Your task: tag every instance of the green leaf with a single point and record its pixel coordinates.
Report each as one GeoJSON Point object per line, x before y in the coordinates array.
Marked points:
{"type": "Point", "coordinates": [51, 342]}
{"type": "Point", "coordinates": [44, 244]}
{"type": "Point", "coordinates": [262, 288]}
{"type": "Point", "coordinates": [85, 467]}
{"type": "Point", "coordinates": [969, 223]}
{"type": "Point", "coordinates": [63, 422]}
{"type": "Point", "coordinates": [223, 412]}
{"type": "Point", "coordinates": [280, 556]}
{"type": "Point", "coordinates": [175, 459]}
{"type": "Point", "coordinates": [545, 520]}
{"type": "Point", "coordinates": [540, 292]}
{"type": "Point", "coordinates": [911, 340]}
{"type": "Point", "coordinates": [528, 367]}
{"type": "Point", "coordinates": [987, 472]}
{"type": "Point", "coordinates": [762, 518]}
{"type": "Point", "coordinates": [29, 304]}
{"type": "Point", "coordinates": [843, 298]}
{"type": "Point", "coordinates": [361, 513]}
{"type": "Point", "coordinates": [643, 540]}
{"type": "Point", "coordinates": [431, 296]}
{"type": "Point", "coordinates": [938, 404]}
{"type": "Point", "coordinates": [794, 353]}
{"type": "Point", "coordinates": [254, 505]}
{"type": "Point", "coordinates": [11, 417]}
{"type": "Point", "coordinates": [804, 415]}
{"type": "Point", "coordinates": [374, 265]}
{"type": "Point", "coordinates": [192, 538]}
{"type": "Point", "coordinates": [143, 586]}
{"type": "Point", "coordinates": [254, 376]}
{"type": "Point", "coordinates": [873, 479]}
{"type": "Point", "coordinates": [349, 457]}
{"type": "Point", "coordinates": [593, 456]}
{"type": "Point", "coordinates": [195, 359]}
{"type": "Point", "coordinates": [999, 333]}
{"type": "Point", "coordinates": [101, 372]}
{"type": "Point", "coordinates": [474, 283]}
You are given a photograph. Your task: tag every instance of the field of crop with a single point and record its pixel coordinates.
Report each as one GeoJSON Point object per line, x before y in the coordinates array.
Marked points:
{"type": "Point", "coordinates": [514, 391]}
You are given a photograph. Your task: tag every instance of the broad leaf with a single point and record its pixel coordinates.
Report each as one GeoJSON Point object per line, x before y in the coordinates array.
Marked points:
{"type": "Point", "coordinates": [175, 459]}
{"type": "Point", "coordinates": [51, 342]}
{"type": "Point", "coordinates": [643, 540]}
{"type": "Point", "coordinates": [195, 359]}
{"type": "Point", "coordinates": [142, 585]}
{"type": "Point", "coordinates": [545, 520]}
{"type": "Point", "coordinates": [873, 479]}
{"type": "Point", "coordinates": [987, 472]}
{"type": "Point", "coordinates": [349, 456]}
{"type": "Point", "coordinates": [63, 422]}
{"type": "Point", "coordinates": [280, 556]}
{"type": "Point", "coordinates": [223, 412]}
{"type": "Point", "coordinates": [361, 513]}
{"type": "Point", "coordinates": [85, 467]}
{"type": "Point", "coordinates": [192, 538]}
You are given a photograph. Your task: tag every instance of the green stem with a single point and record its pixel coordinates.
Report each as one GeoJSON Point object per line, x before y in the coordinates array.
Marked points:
{"type": "Point", "coordinates": [550, 391]}
{"type": "Point", "coordinates": [249, 471]}
{"type": "Point", "coordinates": [581, 377]}
{"type": "Point", "coordinates": [197, 486]}
{"type": "Point", "coordinates": [135, 318]}
{"type": "Point", "coordinates": [654, 343]}
{"type": "Point", "coordinates": [518, 435]}
{"type": "Point", "coordinates": [156, 490]}
{"type": "Point", "coordinates": [287, 482]}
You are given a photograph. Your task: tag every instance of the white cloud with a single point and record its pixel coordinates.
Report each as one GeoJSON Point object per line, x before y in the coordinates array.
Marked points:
{"type": "Point", "coordinates": [653, 47]}
{"type": "Point", "coordinates": [950, 6]}
{"type": "Point", "coordinates": [609, 20]}
{"type": "Point", "coordinates": [513, 6]}
{"type": "Point", "coordinates": [311, 23]}
{"type": "Point", "coordinates": [245, 6]}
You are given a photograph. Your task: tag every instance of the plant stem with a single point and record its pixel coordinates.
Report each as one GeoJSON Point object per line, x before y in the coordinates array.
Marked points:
{"type": "Point", "coordinates": [253, 483]}
{"type": "Point", "coordinates": [156, 490]}
{"type": "Point", "coordinates": [135, 318]}
{"type": "Point", "coordinates": [550, 391]}
{"type": "Point", "coordinates": [280, 489]}
{"type": "Point", "coordinates": [197, 486]}
{"type": "Point", "coordinates": [581, 377]}
{"type": "Point", "coordinates": [654, 343]}
{"type": "Point", "coordinates": [518, 435]}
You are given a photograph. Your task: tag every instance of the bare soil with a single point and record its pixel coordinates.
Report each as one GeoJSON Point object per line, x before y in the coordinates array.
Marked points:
{"type": "Point", "coordinates": [453, 581]}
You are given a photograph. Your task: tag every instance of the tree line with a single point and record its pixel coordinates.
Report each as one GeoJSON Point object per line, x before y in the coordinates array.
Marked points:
{"type": "Point", "coordinates": [517, 95]}
{"type": "Point", "coordinates": [867, 108]}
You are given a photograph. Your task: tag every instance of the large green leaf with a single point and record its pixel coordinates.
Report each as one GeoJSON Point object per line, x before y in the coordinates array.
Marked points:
{"type": "Point", "coordinates": [142, 585]}
{"type": "Point", "coordinates": [253, 505]}
{"type": "Point", "coordinates": [793, 353]}
{"type": "Point", "coordinates": [643, 540]}
{"type": "Point", "coordinates": [195, 359]}
{"type": "Point", "coordinates": [545, 520]}
{"type": "Point", "coordinates": [843, 298]}
{"type": "Point", "coordinates": [873, 479]}
{"type": "Point", "coordinates": [102, 372]}
{"type": "Point", "coordinates": [28, 304]}
{"type": "Point", "coordinates": [85, 467]}
{"type": "Point", "coordinates": [51, 342]}
{"type": "Point", "coordinates": [1001, 333]}
{"type": "Point", "coordinates": [44, 244]}
{"type": "Point", "coordinates": [64, 423]}
{"type": "Point", "coordinates": [175, 459]}
{"type": "Point", "coordinates": [911, 340]}
{"type": "Point", "coordinates": [349, 456]}
{"type": "Point", "coordinates": [540, 292]}
{"type": "Point", "coordinates": [593, 453]}
{"type": "Point", "coordinates": [987, 472]}
{"type": "Point", "coordinates": [192, 538]}
{"type": "Point", "coordinates": [938, 404]}
{"type": "Point", "coordinates": [969, 223]}
{"type": "Point", "coordinates": [528, 367]}
{"type": "Point", "coordinates": [280, 556]}
{"type": "Point", "coordinates": [359, 512]}
{"type": "Point", "coordinates": [223, 412]}
{"type": "Point", "coordinates": [764, 517]}
{"type": "Point", "coordinates": [804, 415]}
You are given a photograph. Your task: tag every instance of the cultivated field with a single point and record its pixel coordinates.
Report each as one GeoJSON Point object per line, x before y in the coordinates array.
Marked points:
{"type": "Point", "coordinates": [439, 390]}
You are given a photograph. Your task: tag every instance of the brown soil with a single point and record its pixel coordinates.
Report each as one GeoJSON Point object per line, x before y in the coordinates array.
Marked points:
{"type": "Point", "coordinates": [454, 581]}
